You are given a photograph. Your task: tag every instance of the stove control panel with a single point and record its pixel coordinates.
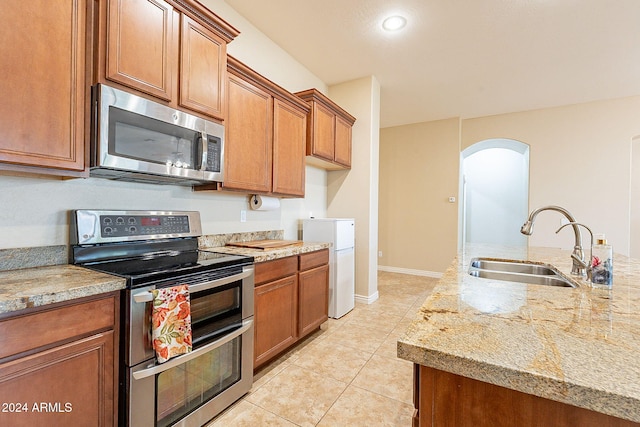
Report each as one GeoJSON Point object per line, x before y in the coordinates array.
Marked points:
{"type": "Point", "coordinates": [92, 226]}
{"type": "Point", "coordinates": [142, 225]}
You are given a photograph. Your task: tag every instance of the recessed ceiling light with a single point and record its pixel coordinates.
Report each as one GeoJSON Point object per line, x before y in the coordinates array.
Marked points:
{"type": "Point", "coordinates": [394, 23]}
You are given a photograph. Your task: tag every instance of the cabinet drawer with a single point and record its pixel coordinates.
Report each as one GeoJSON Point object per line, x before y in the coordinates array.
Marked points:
{"type": "Point", "coordinates": [314, 259]}
{"type": "Point", "coordinates": [28, 332]}
{"type": "Point", "coordinates": [273, 270]}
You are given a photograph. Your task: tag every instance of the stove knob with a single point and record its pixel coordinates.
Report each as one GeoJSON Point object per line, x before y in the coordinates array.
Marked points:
{"type": "Point", "coordinates": [132, 229]}
{"type": "Point", "coordinates": [107, 230]}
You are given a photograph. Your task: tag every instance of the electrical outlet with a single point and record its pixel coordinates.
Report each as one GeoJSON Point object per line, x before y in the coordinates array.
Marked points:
{"type": "Point", "coordinates": [379, 254]}
{"type": "Point", "coordinates": [243, 215]}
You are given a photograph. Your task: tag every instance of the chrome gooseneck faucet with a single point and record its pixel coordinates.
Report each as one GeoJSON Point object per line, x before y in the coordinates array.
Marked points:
{"type": "Point", "coordinates": [579, 264]}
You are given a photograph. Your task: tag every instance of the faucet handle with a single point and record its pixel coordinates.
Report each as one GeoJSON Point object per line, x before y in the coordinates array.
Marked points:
{"type": "Point", "coordinates": [580, 259]}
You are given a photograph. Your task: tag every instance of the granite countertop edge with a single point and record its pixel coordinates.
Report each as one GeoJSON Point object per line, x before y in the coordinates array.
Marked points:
{"type": "Point", "coordinates": [26, 288]}
{"type": "Point", "coordinates": [436, 338]}
{"type": "Point", "coordinates": [262, 255]}
{"type": "Point", "coordinates": [40, 286]}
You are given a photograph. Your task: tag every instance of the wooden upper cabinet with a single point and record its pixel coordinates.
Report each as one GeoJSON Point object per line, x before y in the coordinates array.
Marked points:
{"type": "Point", "coordinates": [173, 50]}
{"type": "Point", "coordinates": [248, 140]}
{"type": "Point", "coordinates": [265, 135]}
{"type": "Point", "coordinates": [142, 45]}
{"type": "Point", "coordinates": [44, 107]}
{"type": "Point", "coordinates": [342, 152]}
{"type": "Point", "coordinates": [323, 132]}
{"type": "Point", "coordinates": [289, 132]}
{"type": "Point", "coordinates": [328, 132]}
{"type": "Point", "coordinates": [203, 64]}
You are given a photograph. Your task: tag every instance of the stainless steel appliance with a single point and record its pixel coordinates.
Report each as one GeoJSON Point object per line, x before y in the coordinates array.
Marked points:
{"type": "Point", "coordinates": [135, 139]}
{"type": "Point", "coordinates": [155, 249]}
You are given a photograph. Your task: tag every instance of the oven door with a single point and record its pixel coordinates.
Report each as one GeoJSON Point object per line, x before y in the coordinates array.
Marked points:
{"type": "Point", "coordinates": [220, 300]}
{"type": "Point", "coordinates": [190, 390]}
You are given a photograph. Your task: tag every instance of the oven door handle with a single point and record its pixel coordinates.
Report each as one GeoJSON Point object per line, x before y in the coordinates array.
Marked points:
{"type": "Point", "coordinates": [148, 296]}
{"type": "Point", "coordinates": [172, 363]}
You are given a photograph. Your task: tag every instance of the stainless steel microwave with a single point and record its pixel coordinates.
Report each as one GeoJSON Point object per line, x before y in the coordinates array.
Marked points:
{"type": "Point", "coordinates": [135, 139]}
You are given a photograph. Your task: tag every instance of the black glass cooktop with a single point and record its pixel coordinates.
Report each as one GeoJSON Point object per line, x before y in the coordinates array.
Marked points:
{"type": "Point", "coordinates": [143, 263]}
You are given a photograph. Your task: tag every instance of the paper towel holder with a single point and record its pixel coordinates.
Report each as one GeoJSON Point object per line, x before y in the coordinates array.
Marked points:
{"type": "Point", "coordinates": [263, 203]}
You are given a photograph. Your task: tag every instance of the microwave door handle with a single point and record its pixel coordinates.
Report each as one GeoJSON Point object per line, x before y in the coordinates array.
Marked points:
{"type": "Point", "coordinates": [205, 151]}
{"type": "Point", "coordinates": [172, 363]}
{"type": "Point", "coordinates": [147, 296]}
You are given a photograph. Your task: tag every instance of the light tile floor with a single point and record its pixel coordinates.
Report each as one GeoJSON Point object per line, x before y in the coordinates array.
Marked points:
{"type": "Point", "coordinates": [346, 374]}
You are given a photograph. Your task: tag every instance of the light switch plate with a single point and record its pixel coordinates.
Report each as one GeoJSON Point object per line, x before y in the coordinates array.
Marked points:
{"type": "Point", "coordinates": [243, 215]}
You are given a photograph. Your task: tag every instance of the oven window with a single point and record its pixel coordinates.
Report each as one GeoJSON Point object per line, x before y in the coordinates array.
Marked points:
{"type": "Point", "coordinates": [215, 312]}
{"type": "Point", "coordinates": [183, 389]}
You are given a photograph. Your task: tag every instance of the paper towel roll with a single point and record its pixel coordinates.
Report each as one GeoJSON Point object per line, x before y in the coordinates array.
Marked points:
{"type": "Point", "coordinates": [263, 203]}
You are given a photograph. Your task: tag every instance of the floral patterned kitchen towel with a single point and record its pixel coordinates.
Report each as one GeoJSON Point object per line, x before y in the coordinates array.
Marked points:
{"type": "Point", "coordinates": [171, 322]}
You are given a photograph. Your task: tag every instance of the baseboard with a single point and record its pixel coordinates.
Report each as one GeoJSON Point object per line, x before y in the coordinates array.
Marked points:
{"type": "Point", "coordinates": [424, 273]}
{"type": "Point", "coordinates": [367, 300]}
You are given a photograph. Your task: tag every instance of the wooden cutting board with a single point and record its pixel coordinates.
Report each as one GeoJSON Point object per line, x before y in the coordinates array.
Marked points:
{"type": "Point", "coordinates": [266, 244]}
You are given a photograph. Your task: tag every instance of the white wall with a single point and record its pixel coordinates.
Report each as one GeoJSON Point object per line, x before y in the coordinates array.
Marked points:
{"type": "Point", "coordinates": [34, 211]}
{"type": "Point", "coordinates": [354, 193]}
{"type": "Point", "coordinates": [634, 196]}
{"type": "Point", "coordinates": [580, 159]}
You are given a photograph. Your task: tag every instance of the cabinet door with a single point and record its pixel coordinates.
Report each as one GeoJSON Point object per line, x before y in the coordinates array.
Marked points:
{"type": "Point", "coordinates": [314, 298]}
{"type": "Point", "coordinates": [203, 68]}
{"type": "Point", "coordinates": [142, 46]}
{"type": "Point", "coordinates": [323, 137]}
{"type": "Point", "coordinates": [69, 385]}
{"type": "Point", "coordinates": [289, 149]}
{"type": "Point", "coordinates": [343, 142]}
{"type": "Point", "coordinates": [275, 317]}
{"type": "Point", "coordinates": [248, 143]}
{"type": "Point", "coordinates": [44, 91]}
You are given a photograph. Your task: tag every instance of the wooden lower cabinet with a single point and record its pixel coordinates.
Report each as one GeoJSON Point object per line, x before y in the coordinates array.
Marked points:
{"type": "Point", "coordinates": [64, 370]}
{"type": "Point", "coordinates": [314, 292]}
{"type": "Point", "coordinates": [445, 399]}
{"type": "Point", "coordinates": [275, 317]}
{"type": "Point", "coordinates": [290, 302]}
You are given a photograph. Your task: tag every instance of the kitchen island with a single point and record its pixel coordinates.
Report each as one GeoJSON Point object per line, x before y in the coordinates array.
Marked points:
{"type": "Point", "coordinates": [485, 345]}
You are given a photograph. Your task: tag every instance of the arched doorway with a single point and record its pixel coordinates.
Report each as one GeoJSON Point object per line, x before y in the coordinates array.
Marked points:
{"type": "Point", "coordinates": [494, 192]}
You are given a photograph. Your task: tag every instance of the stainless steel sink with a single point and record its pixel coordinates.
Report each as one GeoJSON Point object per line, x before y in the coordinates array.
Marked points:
{"type": "Point", "coordinates": [512, 267]}
{"type": "Point", "coordinates": [518, 271]}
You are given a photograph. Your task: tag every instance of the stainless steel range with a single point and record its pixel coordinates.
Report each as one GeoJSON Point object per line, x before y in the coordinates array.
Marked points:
{"type": "Point", "coordinates": [158, 249]}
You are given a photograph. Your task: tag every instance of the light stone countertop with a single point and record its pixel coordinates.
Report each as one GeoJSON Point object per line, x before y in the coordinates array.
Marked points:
{"type": "Point", "coordinates": [36, 287]}
{"type": "Point", "coordinates": [262, 255]}
{"type": "Point", "coordinates": [578, 346]}
{"type": "Point", "coordinates": [27, 280]}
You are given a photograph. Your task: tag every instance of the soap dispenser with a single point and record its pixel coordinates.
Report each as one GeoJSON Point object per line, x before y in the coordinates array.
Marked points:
{"type": "Point", "coordinates": [602, 262]}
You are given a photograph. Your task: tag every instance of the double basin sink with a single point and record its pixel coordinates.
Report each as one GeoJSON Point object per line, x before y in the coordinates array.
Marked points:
{"type": "Point", "coordinates": [518, 271]}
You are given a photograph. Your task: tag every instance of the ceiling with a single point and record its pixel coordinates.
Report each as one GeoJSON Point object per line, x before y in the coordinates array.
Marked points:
{"type": "Point", "coordinates": [463, 58]}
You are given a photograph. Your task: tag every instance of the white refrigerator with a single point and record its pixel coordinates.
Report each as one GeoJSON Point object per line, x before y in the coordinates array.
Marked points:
{"type": "Point", "coordinates": [340, 232]}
